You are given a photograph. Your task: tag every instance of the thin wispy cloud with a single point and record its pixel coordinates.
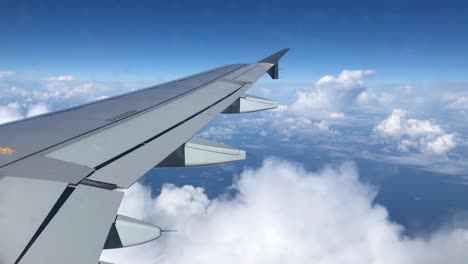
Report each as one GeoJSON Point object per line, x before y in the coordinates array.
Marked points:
{"type": "Point", "coordinates": [62, 78]}
{"type": "Point", "coordinates": [6, 74]}
{"type": "Point", "coordinates": [460, 103]}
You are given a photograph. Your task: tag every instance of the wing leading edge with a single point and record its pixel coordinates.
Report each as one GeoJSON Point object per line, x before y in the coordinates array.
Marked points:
{"type": "Point", "coordinates": [81, 157]}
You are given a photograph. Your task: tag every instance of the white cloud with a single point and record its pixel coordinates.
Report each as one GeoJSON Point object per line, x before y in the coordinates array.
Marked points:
{"type": "Point", "coordinates": [331, 94]}
{"type": "Point", "coordinates": [378, 98]}
{"type": "Point", "coordinates": [15, 91]}
{"type": "Point", "coordinates": [280, 109]}
{"type": "Point", "coordinates": [37, 109]}
{"type": "Point", "coordinates": [66, 90]}
{"type": "Point", "coordinates": [10, 112]}
{"type": "Point", "coordinates": [308, 115]}
{"type": "Point", "coordinates": [442, 144]}
{"type": "Point", "coordinates": [410, 133]}
{"type": "Point", "coordinates": [281, 214]}
{"type": "Point", "coordinates": [290, 125]}
{"type": "Point", "coordinates": [6, 74]}
{"type": "Point", "coordinates": [392, 125]}
{"type": "Point", "coordinates": [62, 78]}
{"type": "Point", "coordinates": [337, 115]}
{"type": "Point", "coordinates": [15, 111]}
{"type": "Point", "coordinates": [60, 90]}
{"type": "Point", "coordinates": [322, 125]}
{"type": "Point", "coordinates": [347, 80]}
{"type": "Point", "coordinates": [220, 132]}
{"type": "Point", "coordinates": [265, 91]}
{"type": "Point", "coordinates": [286, 123]}
{"type": "Point", "coordinates": [460, 103]}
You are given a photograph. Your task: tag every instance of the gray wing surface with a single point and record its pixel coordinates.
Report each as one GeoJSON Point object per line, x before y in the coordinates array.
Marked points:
{"type": "Point", "coordinates": [61, 173]}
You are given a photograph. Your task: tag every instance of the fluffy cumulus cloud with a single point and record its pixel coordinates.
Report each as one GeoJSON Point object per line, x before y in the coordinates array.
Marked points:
{"type": "Point", "coordinates": [332, 94]}
{"type": "Point", "coordinates": [10, 112]}
{"type": "Point", "coordinates": [37, 109]}
{"type": "Point", "coordinates": [409, 134]}
{"type": "Point", "coordinates": [281, 213]}
{"type": "Point", "coordinates": [15, 111]}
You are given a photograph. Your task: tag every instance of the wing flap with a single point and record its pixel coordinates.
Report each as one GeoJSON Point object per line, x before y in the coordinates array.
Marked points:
{"type": "Point", "coordinates": [24, 205]}
{"type": "Point", "coordinates": [77, 233]}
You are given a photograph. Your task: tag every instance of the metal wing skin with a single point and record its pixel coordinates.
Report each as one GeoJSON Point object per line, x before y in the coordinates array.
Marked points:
{"type": "Point", "coordinates": [61, 174]}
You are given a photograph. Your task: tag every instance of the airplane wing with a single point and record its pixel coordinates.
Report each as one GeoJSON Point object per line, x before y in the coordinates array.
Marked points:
{"type": "Point", "coordinates": [62, 173]}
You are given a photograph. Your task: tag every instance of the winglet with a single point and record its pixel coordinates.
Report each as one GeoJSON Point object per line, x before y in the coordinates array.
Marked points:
{"type": "Point", "coordinates": [274, 59]}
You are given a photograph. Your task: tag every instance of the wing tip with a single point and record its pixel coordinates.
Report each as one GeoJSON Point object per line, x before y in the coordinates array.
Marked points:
{"type": "Point", "coordinates": [274, 59]}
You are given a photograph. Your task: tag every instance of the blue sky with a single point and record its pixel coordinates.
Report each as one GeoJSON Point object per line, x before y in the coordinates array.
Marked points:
{"type": "Point", "coordinates": [403, 41]}
{"type": "Point", "coordinates": [368, 147]}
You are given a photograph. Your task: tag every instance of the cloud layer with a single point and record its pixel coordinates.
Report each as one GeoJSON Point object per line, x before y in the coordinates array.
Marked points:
{"type": "Point", "coordinates": [341, 115]}
{"type": "Point", "coordinates": [6, 74]}
{"type": "Point", "coordinates": [25, 96]}
{"type": "Point", "coordinates": [281, 213]}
